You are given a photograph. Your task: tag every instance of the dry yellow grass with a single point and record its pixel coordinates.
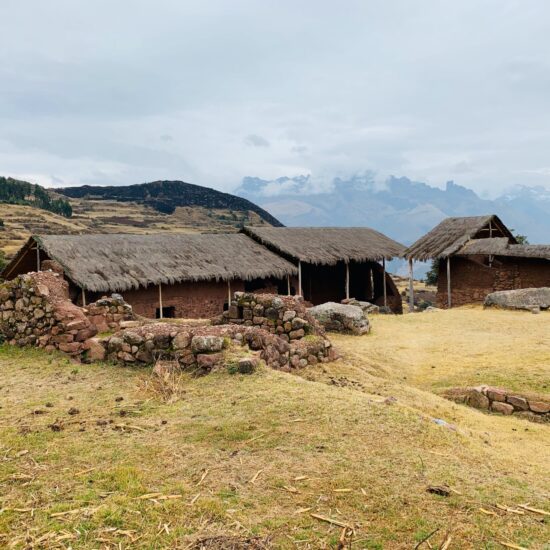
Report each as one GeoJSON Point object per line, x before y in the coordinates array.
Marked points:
{"type": "Point", "coordinates": [461, 347]}
{"type": "Point", "coordinates": [246, 455]}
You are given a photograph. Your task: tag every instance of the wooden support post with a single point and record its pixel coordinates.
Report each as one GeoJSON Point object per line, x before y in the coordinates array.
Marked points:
{"type": "Point", "coordinates": [411, 287]}
{"type": "Point", "coordinates": [288, 284]}
{"type": "Point", "coordinates": [160, 301]}
{"type": "Point", "coordinates": [37, 257]}
{"type": "Point", "coordinates": [300, 278]}
{"type": "Point", "coordinates": [347, 280]}
{"type": "Point", "coordinates": [449, 300]}
{"type": "Point", "coordinates": [83, 298]}
{"type": "Point", "coordinates": [384, 282]}
{"type": "Point", "coordinates": [228, 293]}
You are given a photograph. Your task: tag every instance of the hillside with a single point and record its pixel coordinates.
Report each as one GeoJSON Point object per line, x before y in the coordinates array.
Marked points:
{"type": "Point", "coordinates": [114, 215]}
{"type": "Point", "coordinates": [102, 456]}
{"type": "Point", "coordinates": [20, 192]}
{"type": "Point", "coordinates": [166, 196]}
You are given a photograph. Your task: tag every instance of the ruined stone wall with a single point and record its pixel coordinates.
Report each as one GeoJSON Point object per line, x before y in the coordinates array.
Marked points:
{"type": "Point", "coordinates": [36, 311]}
{"type": "Point", "coordinates": [502, 401]}
{"type": "Point", "coordinates": [285, 316]}
{"type": "Point", "coordinates": [206, 348]}
{"type": "Point", "coordinates": [108, 312]}
{"type": "Point", "coordinates": [471, 281]}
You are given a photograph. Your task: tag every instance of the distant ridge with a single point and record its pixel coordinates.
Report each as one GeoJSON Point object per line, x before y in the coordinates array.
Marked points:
{"type": "Point", "coordinates": [165, 196]}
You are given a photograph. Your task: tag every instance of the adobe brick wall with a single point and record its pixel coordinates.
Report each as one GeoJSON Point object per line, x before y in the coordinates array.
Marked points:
{"type": "Point", "coordinates": [198, 300]}
{"type": "Point", "coordinates": [471, 281]}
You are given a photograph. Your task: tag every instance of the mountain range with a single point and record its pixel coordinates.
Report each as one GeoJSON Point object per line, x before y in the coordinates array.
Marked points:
{"type": "Point", "coordinates": [401, 208]}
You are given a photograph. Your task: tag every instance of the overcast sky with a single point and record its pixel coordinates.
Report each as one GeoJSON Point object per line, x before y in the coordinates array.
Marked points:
{"type": "Point", "coordinates": [128, 91]}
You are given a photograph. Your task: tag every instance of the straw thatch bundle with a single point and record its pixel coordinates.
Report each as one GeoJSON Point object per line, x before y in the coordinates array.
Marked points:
{"type": "Point", "coordinates": [452, 234]}
{"type": "Point", "coordinates": [502, 247]}
{"type": "Point", "coordinates": [115, 263]}
{"type": "Point", "coordinates": [327, 245]}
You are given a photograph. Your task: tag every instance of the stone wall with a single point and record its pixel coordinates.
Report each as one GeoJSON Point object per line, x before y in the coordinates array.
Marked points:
{"type": "Point", "coordinates": [108, 312]}
{"type": "Point", "coordinates": [36, 311]}
{"type": "Point", "coordinates": [501, 401]}
{"type": "Point", "coordinates": [286, 316]}
{"type": "Point", "coordinates": [471, 280]}
{"type": "Point", "coordinates": [205, 348]}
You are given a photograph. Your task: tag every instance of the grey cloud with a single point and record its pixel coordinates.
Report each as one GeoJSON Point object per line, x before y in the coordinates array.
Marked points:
{"type": "Point", "coordinates": [255, 140]}
{"type": "Point", "coordinates": [419, 89]}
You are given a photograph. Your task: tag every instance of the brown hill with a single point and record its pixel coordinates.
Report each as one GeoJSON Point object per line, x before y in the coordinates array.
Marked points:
{"type": "Point", "coordinates": [107, 216]}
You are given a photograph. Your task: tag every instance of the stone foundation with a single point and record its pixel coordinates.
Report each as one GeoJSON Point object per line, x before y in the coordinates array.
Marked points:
{"type": "Point", "coordinates": [501, 401]}
{"type": "Point", "coordinates": [35, 310]}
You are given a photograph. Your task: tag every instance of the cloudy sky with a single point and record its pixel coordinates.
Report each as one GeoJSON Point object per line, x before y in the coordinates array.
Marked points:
{"type": "Point", "coordinates": [128, 91]}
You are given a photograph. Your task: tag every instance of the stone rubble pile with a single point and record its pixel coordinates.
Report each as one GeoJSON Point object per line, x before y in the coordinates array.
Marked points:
{"type": "Point", "coordinates": [501, 401]}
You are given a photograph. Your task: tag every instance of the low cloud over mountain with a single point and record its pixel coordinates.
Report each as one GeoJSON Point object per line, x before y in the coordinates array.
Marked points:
{"type": "Point", "coordinates": [401, 208]}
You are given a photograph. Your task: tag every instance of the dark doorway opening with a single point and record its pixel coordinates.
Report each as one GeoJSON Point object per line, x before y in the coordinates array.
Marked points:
{"type": "Point", "coordinates": [168, 312]}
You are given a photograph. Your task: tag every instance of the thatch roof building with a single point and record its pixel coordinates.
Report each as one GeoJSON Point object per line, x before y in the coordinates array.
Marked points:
{"type": "Point", "coordinates": [478, 255]}
{"type": "Point", "coordinates": [336, 262]}
{"type": "Point", "coordinates": [116, 263]}
{"type": "Point", "coordinates": [453, 233]}
{"type": "Point", "coordinates": [327, 245]}
{"type": "Point", "coordinates": [161, 275]}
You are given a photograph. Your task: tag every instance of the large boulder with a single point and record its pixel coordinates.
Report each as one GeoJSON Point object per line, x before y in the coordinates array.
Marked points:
{"type": "Point", "coordinates": [523, 298]}
{"type": "Point", "coordinates": [341, 318]}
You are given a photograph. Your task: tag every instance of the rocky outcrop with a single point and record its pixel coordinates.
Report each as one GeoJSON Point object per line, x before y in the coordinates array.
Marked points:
{"type": "Point", "coordinates": [501, 401]}
{"type": "Point", "coordinates": [344, 318]}
{"type": "Point", "coordinates": [531, 299]}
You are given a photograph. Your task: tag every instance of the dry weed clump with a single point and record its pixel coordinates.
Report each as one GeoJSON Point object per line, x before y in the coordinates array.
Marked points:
{"type": "Point", "coordinates": [166, 385]}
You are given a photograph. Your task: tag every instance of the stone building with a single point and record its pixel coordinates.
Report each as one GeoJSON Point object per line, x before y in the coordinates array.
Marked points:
{"type": "Point", "coordinates": [335, 263]}
{"type": "Point", "coordinates": [479, 255]}
{"type": "Point", "coordinates": [160, 275]}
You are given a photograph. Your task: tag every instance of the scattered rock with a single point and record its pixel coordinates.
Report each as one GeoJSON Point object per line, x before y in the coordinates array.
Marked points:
{"type": "Point", "coordinates": [72, 411]}
{"type": "Point", "coordinates": [247, 365]}
{"type": "Point", "coordinates": [341, 318]}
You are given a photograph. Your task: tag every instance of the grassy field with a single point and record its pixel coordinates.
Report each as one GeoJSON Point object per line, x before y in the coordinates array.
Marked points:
{"type": "Point", "coordinates": [92, 457]}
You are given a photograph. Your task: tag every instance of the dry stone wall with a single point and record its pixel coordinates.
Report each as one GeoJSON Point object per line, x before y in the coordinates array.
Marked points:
{"type": "Point", "coordinates": [36, 311]}
{"type": "Point", "coordinates": [206, 348]}
{"type": "Point", "coordinates": [108, 312]}
{"type": "Point", "coordinates": [501, 401]}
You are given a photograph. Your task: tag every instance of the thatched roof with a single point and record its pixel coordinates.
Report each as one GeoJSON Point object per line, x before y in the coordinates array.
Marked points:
{"type": "Point", "coordinates": [327, 245]}
{"type": "Point", "coordinates": [453, 233]}
{"type": "Point", "coordinates": [115, 263]}
{"type": "Point", "coordinates": [502, 247]}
